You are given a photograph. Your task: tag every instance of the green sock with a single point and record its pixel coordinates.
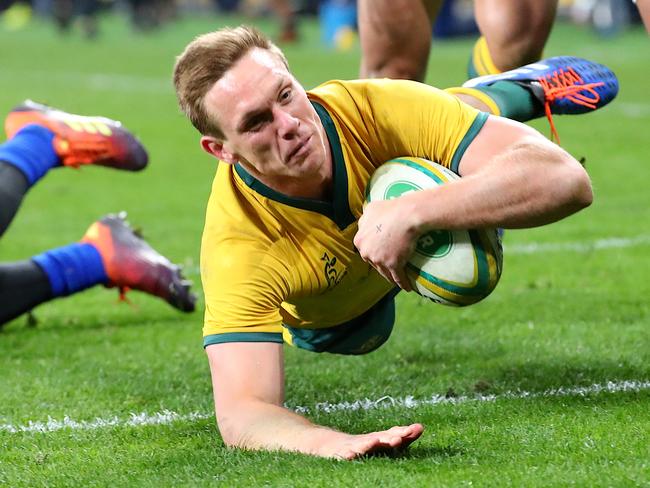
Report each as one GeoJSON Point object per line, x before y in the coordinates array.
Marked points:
{"type": "Point", "coordinates": [515, 101]}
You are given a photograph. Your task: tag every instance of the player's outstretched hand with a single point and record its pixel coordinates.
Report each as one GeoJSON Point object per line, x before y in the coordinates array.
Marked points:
{"type": "Point", "coordinates": [354, 446]}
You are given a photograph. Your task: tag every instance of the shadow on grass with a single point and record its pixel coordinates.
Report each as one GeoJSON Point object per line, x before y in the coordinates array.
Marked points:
{"type": "Point", "coordinates": [48, 322]}
{"type": "Point", "coordinates": [432, 452]}
{"type": "Point", "coordinates": [569, 373]}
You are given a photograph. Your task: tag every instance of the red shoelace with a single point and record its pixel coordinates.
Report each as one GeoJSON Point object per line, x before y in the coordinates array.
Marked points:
{"type": "Point", "coordinates": [567, 84]}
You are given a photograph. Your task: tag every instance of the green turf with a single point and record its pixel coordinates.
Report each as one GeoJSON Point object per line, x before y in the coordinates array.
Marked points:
{"type": "Point", "coordinates": [559, 319]}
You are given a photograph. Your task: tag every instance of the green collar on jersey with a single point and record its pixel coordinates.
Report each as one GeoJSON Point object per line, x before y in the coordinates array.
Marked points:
{"type": "Point", "coordinates": [338, 209]}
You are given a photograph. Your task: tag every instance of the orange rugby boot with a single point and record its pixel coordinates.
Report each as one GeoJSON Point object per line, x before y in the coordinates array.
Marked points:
{"type": "Point", "coordinates": [131, 263]}
{"type": "Point", "coordinates": [80, 140]}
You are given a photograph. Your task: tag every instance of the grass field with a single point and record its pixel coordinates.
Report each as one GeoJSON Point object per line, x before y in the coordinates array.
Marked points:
{"type": "Point", "coordinates": [107, 394]}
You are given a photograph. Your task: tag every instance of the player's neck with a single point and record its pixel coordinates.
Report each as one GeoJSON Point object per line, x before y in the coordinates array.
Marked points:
{"type": "Point", "coordinates": [318, 187]}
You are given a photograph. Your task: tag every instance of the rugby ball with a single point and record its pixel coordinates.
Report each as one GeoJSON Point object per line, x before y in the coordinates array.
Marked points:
{"type": "Point", "coordinates": [458, 267]}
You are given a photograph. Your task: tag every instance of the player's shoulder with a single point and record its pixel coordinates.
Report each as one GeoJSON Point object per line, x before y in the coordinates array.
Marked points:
{"type": "Point", "coordinates": [230, 231]}
{"type": "Point", "coordinates": [364, 84]}
{"type": "Point", "coordinates": [235, 259]}
{"type": "Point", "coordinates": [361, 92]}
{"type": "Point", "coordinates": [236, 209]}
{"type": "Point", "coordinates": [240, 235]}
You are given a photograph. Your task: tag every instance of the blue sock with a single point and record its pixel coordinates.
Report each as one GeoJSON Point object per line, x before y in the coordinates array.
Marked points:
{"type": "Point", "coordinates": [72, 268]}
{"type": "Point", "coordinates": [31, 151]}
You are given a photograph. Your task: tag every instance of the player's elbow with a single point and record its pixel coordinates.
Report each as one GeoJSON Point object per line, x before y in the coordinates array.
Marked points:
{"type": "Point", "coordinates": [580, 192]}
{"type": "Point", "coordinates": [231, 434]}
{"type": "Point", "coordinates": [586, 195]}
{"type": "Point", "coordinates": [231, 441]}
{"type": "Point", "coordinates": [575, 191]}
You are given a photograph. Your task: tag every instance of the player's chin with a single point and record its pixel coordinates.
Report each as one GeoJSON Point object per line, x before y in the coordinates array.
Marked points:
{"type": "Point", "coordinates": [305, 163]}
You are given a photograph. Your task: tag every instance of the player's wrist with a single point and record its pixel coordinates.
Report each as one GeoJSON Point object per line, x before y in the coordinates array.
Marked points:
{"type": "Point", "coordinates": [326, 442]}
{"type": "Point", "coordinates": [417, 215]}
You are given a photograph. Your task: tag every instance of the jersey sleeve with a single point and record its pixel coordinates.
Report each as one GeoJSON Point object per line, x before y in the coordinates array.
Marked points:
{"type": "Point", "coordinates": [243, 274]}
{"type": "Point", "coordinates": [242, 296]}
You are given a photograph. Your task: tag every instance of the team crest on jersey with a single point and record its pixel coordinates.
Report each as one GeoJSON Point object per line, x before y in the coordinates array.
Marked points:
{"type": "Point", "coordinates": [334, 271]}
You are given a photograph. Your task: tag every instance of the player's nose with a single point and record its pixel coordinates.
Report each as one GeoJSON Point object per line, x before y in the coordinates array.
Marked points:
{"type": "Point", "coordinates": [287, 124]}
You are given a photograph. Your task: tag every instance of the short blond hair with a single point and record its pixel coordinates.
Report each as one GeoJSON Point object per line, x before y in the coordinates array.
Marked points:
{"type": "Point", "coordinates": [205, 61]}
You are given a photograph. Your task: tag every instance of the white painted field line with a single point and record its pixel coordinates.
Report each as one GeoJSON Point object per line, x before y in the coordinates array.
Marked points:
{"type": "Point", "coordinates": [634, 110]}
{"type": "Point", "coordinates": [134, 420]}
{"type": "Point", "coordinates": [167, 417]}
{"type": "Point", "coordinates": [579, 247]}
{"type": "Point", "coordinates": [112, 82]}
{"type": "Point", "coordinates": [411, 402]}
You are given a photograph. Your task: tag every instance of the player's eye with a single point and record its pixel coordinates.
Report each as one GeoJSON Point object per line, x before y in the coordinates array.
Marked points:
{"type": "Point", "coordinates": [258, 122]}
{"type": "Point", "coordinates": [255, 126]}
{"type": "Point", "coordinates": [286, 95]}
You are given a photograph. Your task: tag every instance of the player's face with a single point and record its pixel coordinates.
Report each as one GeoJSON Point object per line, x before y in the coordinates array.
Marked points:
{"type": "Point", "coordinates": [270, 127]}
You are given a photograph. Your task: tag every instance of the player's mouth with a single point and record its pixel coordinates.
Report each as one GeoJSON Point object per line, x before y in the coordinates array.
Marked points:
{"type": "Point", "coordinates": [301, 149]}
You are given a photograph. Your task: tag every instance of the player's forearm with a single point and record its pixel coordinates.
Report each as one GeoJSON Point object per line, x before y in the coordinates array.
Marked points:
{"type": "Point", "coordinates": [528, 186]}
{"type": "Point", "coordinates": [264, 426]}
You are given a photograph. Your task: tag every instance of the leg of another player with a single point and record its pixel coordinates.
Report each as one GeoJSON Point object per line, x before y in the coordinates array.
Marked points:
{"type": "Point", "coordinates": [110, 253]}
{"type": "Point", "coordinates": [561, 85]}
{"type": "Point", "coordinates": [23, 285]}
{"type": "Point", "coordinates": [285, 13]}
{"type": "Point", "coordinates": [13, 186]}
{"type": "Point", "coordinates": [24, 159]}
{"type": "Point", "coordinates": [506, 99]}
{"type": "Point", "coordinates": [395, 37]}
{"type": "Point", "coordinates": [515, 31]}
{"type": "Point", "coordinates": [644, 10]}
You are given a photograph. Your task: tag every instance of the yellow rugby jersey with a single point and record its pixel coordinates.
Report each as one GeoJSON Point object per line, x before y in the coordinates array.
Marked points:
{"type": "Point", "coordinates": [269, 260]}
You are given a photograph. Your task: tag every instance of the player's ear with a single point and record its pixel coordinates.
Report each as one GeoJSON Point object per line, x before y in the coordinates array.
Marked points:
{"type": "Point", "coordinates": [215, 146]}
